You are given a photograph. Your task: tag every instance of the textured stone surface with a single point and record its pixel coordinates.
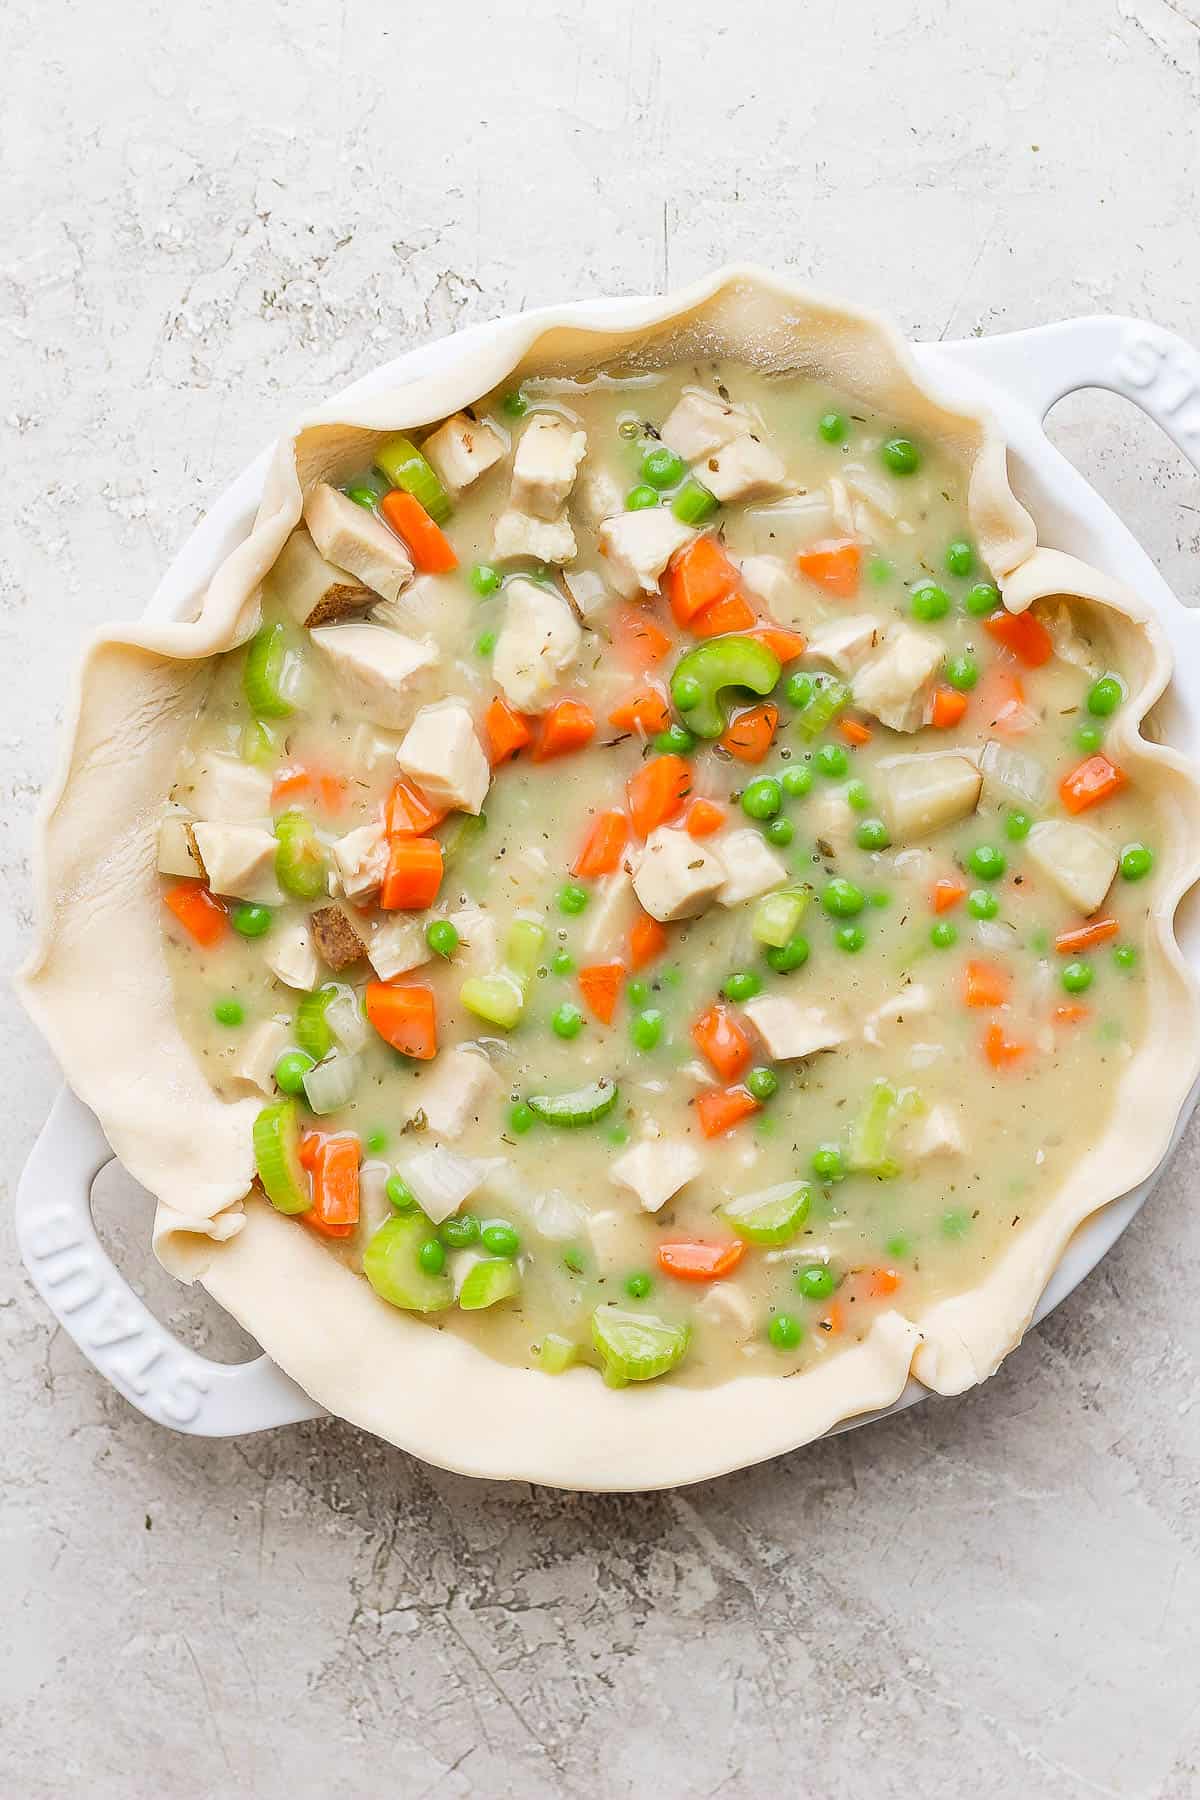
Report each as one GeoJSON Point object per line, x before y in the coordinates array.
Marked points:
{"type": "Point", "coordinates": [213, 214]}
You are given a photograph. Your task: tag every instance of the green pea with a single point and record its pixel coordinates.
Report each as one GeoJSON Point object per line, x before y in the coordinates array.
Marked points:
{"type": "Point", "coordinates": [562, 962]}
{"type": "Point", "coordinates": [662, 468]}
{"type": "Point", "coordinates": [857, 797]}
{"type": "Point", "coordinates": [515, 404]}
{"type": "Point", "coordinates": [291, 1069]}
{"type": "Point", "coordinates": [833, 427]}
{"type": "Point", "coordinates": [879, 898]}
{"type": "Point", "coordinates": [1105, 695]}
{"type": "Point", "coordinates": [377, 1142]}
{"type": "Point", "coordinates": [229, 1012]}
{"type": "Point", "coordinates": [252, 921]}
{"type": "Point", "coordinates": [900, 455]}
{"type": "Point", "coordinates": [575, 1261]}
{"type": "Point", "coordinates": [442, 937]}
{"type": "Point", "coordinates": [872, 834]}
{"type": "Point", "coordinates": [783, 958]}
{"type": "Point", "coordinates": [828, 1163]}
{"type": "Point", "coordinates": [1076, 977]}
{"type": "Point", "coordinates": [899, 1246]}
{"type": "Point", "coordinates": [400, 1195]}
{"type": "Point", "coordinates": [646, 1028]}
{"type": "Point", "coordinates": [638, 499]}
{"type": "Point", "coordinates": [1088, 737]}
{"type": "Point", "coordinates": [567, 1020]}
{"type": "Point", "coordinates": [960, 558]}
{"type": "Point", "coordinates": [798, 690]}
{"type": "Point", "coordinates": [676, 740]}
{"type": "Point", "coordinates": [797, 782]}
{"type": "Point", "coordinates": [638, 1286]}
{"type": "Point", "coordinates": [1136, 862]}
{"type": "Point", "coordinates": [981, 904]}
{"type": "Point", "coordinates": [743, 984]}
{"type": "Point", "coordinates": [943, 935]}
{"type": "Point", "coordinates": [962, 672]}
{"type": "Point", "coordinates": [460, 1231]}
{"type": "Point", "coordinates": [485, 579]}
{"type": "Point", "coordinates": [815, 1281]}
{"type": "Point", "coordinates": [762, 1083]}
{"type": "Point", "coordinates": [762, 798]}
{"type": "Point", "coordinates": [987, 862]}
{"type": "Point", "coordinates": [780, 831]}
{"type": "Point", "coordinates": [499, 1238]}
{"type": "Point", "coordinates": [832, 760]}
{"type": "Point", "coordinates": [618, 1134]}
{"type": "Point", "coordinates": [638, 991]}
{"type": "Point", "coordinates": [842, 899]}
{"type": "Point", "coordinates": [671, 976]}
{"type": "Point", "coordinates": [572, 898]}
{"type": "Point", "coordinates": [1124, 955]}
{"type": "Point", "coordinates": [879, 570]}
{"type": "Point", "coordinates": [686, 692]}
{"type": "Point", "coordinates": [850, 938]}
{"type": "Point", "coordinates": [929, 602]}
{"type": "Point", "coordinates": [982, 599]}
{"type": "Point", "coordinates": [1017, 825]}
{"type": "Point", "coordinates": [955, 1224]}
{"type": "Point", "coordinates": [784, 1332]}
{"type": "Point", "coordinates": [521, 1118]}
{"type": "Point", "coordinates": [485, 643]}
{"type": "Point", "coordinates": [432, 1256]}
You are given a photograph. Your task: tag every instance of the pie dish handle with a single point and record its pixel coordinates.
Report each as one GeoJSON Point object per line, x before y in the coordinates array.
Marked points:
{"type": "Point", "coordinates": [95, 1305]}
{"type": "Point", "coordinates": [1154, 368]}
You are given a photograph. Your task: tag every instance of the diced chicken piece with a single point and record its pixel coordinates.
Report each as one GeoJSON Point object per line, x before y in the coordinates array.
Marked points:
{"type": "Point", "coordinates": [478, 942]}
{"type": "Point", "coordinates": [789, 1028]}
{"type": "Point", "coordinates": [335, 937]}
{"type": "Point", "coordinates": [361, 859]}
{"type": "Point", "coordinates": [676, 877]}
{"type": "Point", "coordinates": [770, 578]}
{"type": "Point", "coordinates": [355, 540]}
{"type": "Point", "coordinates": [1075, 859]}
{"type": "Point", "coordinates": [291, 956]}
{"type": "Point", "coordinates": [548, 456]}
{"type": "Point", "coordinates": [612, 911]}
{"type": "Point", "coordinates": [862, 502]}
{"type": "Point", "coordinates": [177, 852]}
{"type": "Point", "coordinates": [752, 867]}
{"type": "Point", "coordinates": [396, 944]}
{"type": "Point", "coordinates": [843, 644]}
{"type": "Point", "coordinates": [462, 450]}
{"type": "Point", "coordinates": [938, 1132]}
{"type": "Point", "coordinates": [656, 1170]}
{"type": "Point", "coordinates": [701, 422]}
{"type": "Point", "coordinates": [538, 643]}
{"type": "Point", "coordinates": [830, 818]}
{"type": "Point", "coordinates": [923, 793]}
{"type": "Point", "coordinates": [728, 1307]}
{"type": "Point", "coordinates": [597, 494]}
{"type": "Point", "coordinates": [379, 672]}
{"type": "Point", "coordinates": [639, 545]}
{"type": "Point", "coordinates": [544, 540]}
{"type": "Point", "coordinates": [797, 520]}
{"type": "Point", "coordinates": [239, 861]}
{"type": "Point", "coordinates": [897, 684]}
{"type": "Point", "coordinates": [226, 788]}
{"type": "Point", "coordinates": [442, 754]}
{"type": "Point", "coordinates": [255, 1066]}
{"type": "Point", "coordinates": [311, 590]}
{"type": "Point", "coordinates": [745, 469]}
{"type": "Point", "coordinates": [909, 1003]}
{"type": "Point", "coordinates": [455, 1089]}
{"type": "Point", "coordinates": [415, 609]}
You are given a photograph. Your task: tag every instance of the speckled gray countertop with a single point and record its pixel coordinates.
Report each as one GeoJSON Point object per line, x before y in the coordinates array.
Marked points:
{"type": "Point", "coordinates": [214, 214]}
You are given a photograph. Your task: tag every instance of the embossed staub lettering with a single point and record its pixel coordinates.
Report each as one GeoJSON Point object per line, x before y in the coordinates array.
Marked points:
{"type": "Point", "coordinates": [122, 1340]}
{"type": "Point", "coordinates": [1163, 376]}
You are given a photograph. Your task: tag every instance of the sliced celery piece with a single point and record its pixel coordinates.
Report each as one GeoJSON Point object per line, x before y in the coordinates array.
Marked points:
{"type": "Point", "coordinates": [399, 460]}
{"type": "Point", "coordinates": [299, 860]}
{"type": "Point", "coordinates": [556, 1353]}
{"type": "Point", "coordinates": [871, 1133]}
{"type": "Point", "coordinates": [523, 949]}
{"type": "Point", "coordinates": [772, 1216]}
{"type": "Point", "coordinates": [496, 998]}
{"type": "Point", "coordinates": [459, 839]}
{"type": "Point", "coordinates": [487, 1283]}
{"type": "Point", "coordinates": [391, 1263]}
{"type": "Point", "coordinates": [265, 676]}
{"type": "Point", "coordinates": [277, 1157]}
{"type": "Point", "coordinates": [693, 504]}
{"type": "Point", "coordinates": [827, 702]}
{"type": "Point", "coordinates": [258, 744]}
{"type": "Point", "coordinates": [637, 1346]}
{"type": "Point", "coordinates": [584, 1106]}
{"type": "Point", "coordinates": [777, 916]}
{"type": "Point", "coordinates": [701, 677]}
{"type": "Point", "coordinates": [312, 1027]}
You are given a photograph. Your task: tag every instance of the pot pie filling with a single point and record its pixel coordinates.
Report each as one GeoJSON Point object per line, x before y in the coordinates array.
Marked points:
{"type": "Point", "coordinates": [668, 909]}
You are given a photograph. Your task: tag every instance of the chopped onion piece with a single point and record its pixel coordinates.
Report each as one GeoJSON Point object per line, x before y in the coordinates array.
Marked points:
{"type": "Point", "coordinates": [332, 1082]}
{"type": "Point", "coordinates": [344, 1016]}
{"type": "Point", "coordinates": [442, 1180]}
{"type": "Point", "coordinates": [1014, 772]}
{"type": "Point", "coordinates": [586, 589]}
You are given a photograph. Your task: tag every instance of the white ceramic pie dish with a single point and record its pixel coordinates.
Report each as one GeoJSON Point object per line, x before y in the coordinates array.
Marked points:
{"type": "Point", "coordinates": [1014, 378]}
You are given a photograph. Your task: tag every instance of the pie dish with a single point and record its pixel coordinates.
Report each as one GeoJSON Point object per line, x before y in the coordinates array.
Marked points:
{"type": "Point", "coordinates": [139, 699]}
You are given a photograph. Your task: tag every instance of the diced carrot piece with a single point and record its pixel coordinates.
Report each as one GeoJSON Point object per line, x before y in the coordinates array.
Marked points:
{"type": "Point", "coordinates": [1071, 1013]}
{"type": "Point", "coordinates": [657, 792]}
{"type": "Point", "coordinates": [949, 708]}
{"type": "Point", "coordinates": [1024, 635]}
{"type": "Point", "coordinates": [1000, 702]}
{"type": "Point", "coordinates": [1094, 780]}
{"type": "Point", "coordinates": [719, 1037]}
{"type": "Point", "coordinates": [1002, 1051]}
{"type": "Point", "coordinates": [331, 793]}
{"type": "Point", "coordinates": [601, 984]}
{"type": "Point", "coordinates": [408, 810]}
{"type": "Point", "coordinates": [690, 1259]}
{"type": "Point", "coordinates": [854, 731]}
{"type": "Point", "coordinates": [699, 577]}
{"type": "Point", "coordinates": [404, 1017]}
{"type": "Point", "coordinates": [731, 613]}
{"type": "Point", "coordinates": [431, 550]}
{"type": "Point", "coordinates": [834, 564]}
{"type": "Point", "coordinates": [947, 893]}
{"type": "Point", "coordinates": [786, 645]}
{"type": "Point", "coordinates": [289, 786]}
{"type": "Point", "coordinates": [334, 1209]}
{"type": "Point", "coordinates": [1084, 937]}
{"type": "Point", "coordinates": [638, 641]}
{"type": "Point", "coordinates": [602, 846]}
{"type": "Point", "coordinates": [202, 917]}
{"type": "Point", "coordinates": [310, 1149]}
{"type": "Point", "coordinates": [506, 731]}
{"type": "Point", "coordinates": [883, 1282]}
{"type": "Point", "coordinates": [647, 940]}
{"type": "Point", "coordinates": [720, 1109]}
{"type": "Point", "coordinates": [984, 984]}
{"type": "Point", "coordinates": [414, 874]}
{"type": "Point", "coordinates": [833, 1319]}
{"type": "Point", "coordinates": [645, 710]}
{"type": "Point", "coordinates": [569, 725]}
{"type": "Point", "coordinates": [704, 817]}
{"type": "Point", "coordinates": [752, 733]}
